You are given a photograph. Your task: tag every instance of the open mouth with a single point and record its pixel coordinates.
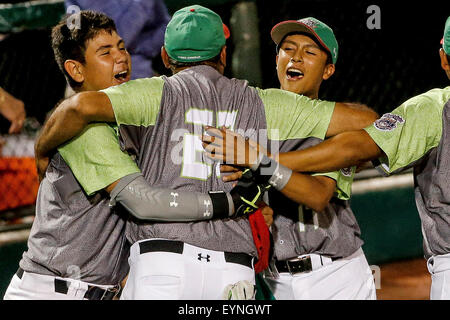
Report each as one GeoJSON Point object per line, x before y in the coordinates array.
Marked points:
{"type": "Point", "coordinates": [293, 73]}
{"type": "Point", "coordinates": [121, 76]}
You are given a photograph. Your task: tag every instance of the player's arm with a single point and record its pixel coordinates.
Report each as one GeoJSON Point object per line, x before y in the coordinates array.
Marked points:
{"type": "Point", "coordinates": [349, 117]}
{"type": "Point", "coordinates": [161, 204]}
{"type": "Point", "coordinates": [70, 118]}
{"type": "Point", "coordinates": [296, 186]}
{"type": "Point", "coordinates": [347, 149]}
{"type": "Point", "coordinates": [147, 202]}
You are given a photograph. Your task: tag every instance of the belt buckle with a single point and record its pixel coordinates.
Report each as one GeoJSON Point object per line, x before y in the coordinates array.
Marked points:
{"type": "Point", "coordinates": [115, 290]}
{"type": "Point", "coordinates": [305, 261]}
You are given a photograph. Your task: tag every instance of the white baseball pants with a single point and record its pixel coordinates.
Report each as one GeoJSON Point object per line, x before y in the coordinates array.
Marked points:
{"type": "Point", "coordinates": [349, 278]}
{"type": "Point", "coordinates": [33, 286]}
{"type": "Point", "coordinates": [171, 270]}
{"type": "Point", "coordinates": [439, 268]}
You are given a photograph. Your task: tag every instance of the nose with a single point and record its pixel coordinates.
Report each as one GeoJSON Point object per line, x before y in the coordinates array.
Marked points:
{"type": "Point", "coordinates": [120, 56]}
{"type": "Point", "coordinates": [297, 57]}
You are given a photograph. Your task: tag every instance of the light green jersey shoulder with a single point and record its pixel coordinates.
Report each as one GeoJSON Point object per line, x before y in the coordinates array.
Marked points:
{"type": "Point", "coordinates": [407, 133]}
{"type": "Point", "coordinates": [136, 102]}
{"type": "Point", "coordinates": [344, 181]}
{"type": "Point", "coordinates": [293, 116]}
{"type": "Point", "coordinates": [95, 158]}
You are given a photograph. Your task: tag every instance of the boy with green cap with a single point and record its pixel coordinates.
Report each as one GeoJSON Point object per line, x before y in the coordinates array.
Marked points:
{"type": "Point", "coordinates": [416, 134]}
{"type": "Point", "coordinates": [160, 120]}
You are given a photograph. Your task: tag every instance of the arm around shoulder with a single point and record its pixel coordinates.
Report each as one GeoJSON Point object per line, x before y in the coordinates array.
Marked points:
{"type": "Point", "coordinates": [349, 117]}
{"type": "Point", "coordinates": [70, 118]}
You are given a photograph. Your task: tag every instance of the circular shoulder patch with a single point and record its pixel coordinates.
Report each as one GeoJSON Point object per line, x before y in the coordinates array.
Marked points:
{"type": "Point", "coordinates": [388, 122]}
{"type": "Point", "coordinates": [346, 172]}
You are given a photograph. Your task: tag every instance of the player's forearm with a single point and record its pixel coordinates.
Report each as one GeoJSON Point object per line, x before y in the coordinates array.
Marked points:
{"type": "Point", "coordinates": [344, 150]}
{"type": "Point", "coordinates": [311, 191]}
{"type": "Point", "coordinates": [70, 118]}
{"type": "Point", "coordinates": [64, 123]}
{"type": "Point", "coordinates": [350, 117]}
{"type": "Point", "coordinates": [160, 204]}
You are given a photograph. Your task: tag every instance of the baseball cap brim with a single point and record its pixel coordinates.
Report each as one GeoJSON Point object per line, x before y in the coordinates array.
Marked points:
{"type": "Point", "coordinates": [280, 30]}
{"type": "Point", "coordinates": [226, 31]}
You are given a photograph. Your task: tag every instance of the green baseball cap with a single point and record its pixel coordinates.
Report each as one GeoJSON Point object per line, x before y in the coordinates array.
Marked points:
{"type": "Point", "coordinates": [319, 30]}
{"type": "Point", "coordinates": [194, 33]}
{"type": "Point", "coordinates": [446, 38]}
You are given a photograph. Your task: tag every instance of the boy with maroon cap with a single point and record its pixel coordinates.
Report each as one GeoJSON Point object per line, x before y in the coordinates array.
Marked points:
{"type": "Point", "coordinates": [317, 254]}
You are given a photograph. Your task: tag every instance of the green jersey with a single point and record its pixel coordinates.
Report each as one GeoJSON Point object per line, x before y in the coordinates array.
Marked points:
{"type": "Point", "coordinates": [416, 134]}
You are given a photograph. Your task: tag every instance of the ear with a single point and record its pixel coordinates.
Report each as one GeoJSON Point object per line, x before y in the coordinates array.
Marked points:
{"type": "Point", "coordinates": [75, 70]}
{"type": "Point", "coordinates": [223, 56]}
{"type": "Point", "coordinates": [328, 71]}
{"type": "Point", "coordinates": [165, 57]}
{"type": "Point", "coordinates": [276, 62]}
{"type": "Point", "coordinates": [445, 64]}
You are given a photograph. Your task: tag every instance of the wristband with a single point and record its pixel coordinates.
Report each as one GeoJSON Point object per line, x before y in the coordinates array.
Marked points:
{"type": "Point", "coordinates": [220, 204]}
{"type": "Point", "coordinates": [255, 166]}
{"type": "Point", "coordinates": [271, 172]}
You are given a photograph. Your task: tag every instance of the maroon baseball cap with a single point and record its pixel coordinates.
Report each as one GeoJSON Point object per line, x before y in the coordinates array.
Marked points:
{"type": "Point", "coordinates": [316, 28]}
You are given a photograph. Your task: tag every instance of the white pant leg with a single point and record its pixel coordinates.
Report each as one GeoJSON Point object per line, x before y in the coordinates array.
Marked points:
{"type": "Point", "coordinates": [34, 286]}
{"type": "Point", "coordinates": [173, 276]}
{"type": "Point", "coordinates": [439, 268]}
{"type": "Point", "coordinates": [345, 279]}
{"type": "Point", "coordinates": [154, 276]}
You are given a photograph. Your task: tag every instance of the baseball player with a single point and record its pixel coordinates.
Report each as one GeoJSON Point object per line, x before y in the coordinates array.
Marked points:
{"type": "Point", "coordinates": [317, 253]}
{"type": "Point", "coordinates": [160, 120]}
{"type": "Point", "coordinates": [77, 248]}
{"type": "Point", "coordinates": [413, 135]}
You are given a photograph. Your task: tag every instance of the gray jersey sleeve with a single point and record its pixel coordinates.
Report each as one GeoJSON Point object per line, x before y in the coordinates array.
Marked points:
{"type": "Point", "coordinates": [151, 203]}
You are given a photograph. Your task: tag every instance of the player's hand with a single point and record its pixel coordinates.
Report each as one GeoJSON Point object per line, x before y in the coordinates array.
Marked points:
{"type": "Point", "coordinates": [14, 110]}
{"type": "Point", "coordinates": [241, 290]}
{"type": "Point", "coordinates": [235, 173]}
{"type": "Point", "coordinates": [267, 213]}
{"type": "Point", "coordinates": [41, 165]}
{"type": "Point", "coordinates": [247, 195]}
{"type": "Point", "coordinates": [228, 147]}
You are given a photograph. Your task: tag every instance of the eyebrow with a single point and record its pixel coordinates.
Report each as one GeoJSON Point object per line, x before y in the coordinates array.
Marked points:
{"type": "Point", "coordinates": [109, 46]}
{"type": "Point", "coordinates": [289, 41]}
{"type": "Point", "coordinates": [308, 45]}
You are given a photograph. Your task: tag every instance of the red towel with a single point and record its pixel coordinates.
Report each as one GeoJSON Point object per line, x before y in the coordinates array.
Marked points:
{"type": "Point", "coordinates": [261, 238]}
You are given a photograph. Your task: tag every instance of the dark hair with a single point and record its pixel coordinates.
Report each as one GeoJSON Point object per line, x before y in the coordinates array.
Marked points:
{"type": "Point", "coordinates": [70, 42]}
{"type": "Point", "coordinates": [178, 64]}
{"type": "Point", "coordinates": [329, 58]}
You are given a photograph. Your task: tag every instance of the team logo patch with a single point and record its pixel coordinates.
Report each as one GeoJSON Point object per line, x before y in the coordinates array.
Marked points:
{"type": "Point", "coordinates": [388, 122]}
{"type": "Point", "coordinates": [346, 172]}
{"type": "Point", "coordinates": [310, 23]}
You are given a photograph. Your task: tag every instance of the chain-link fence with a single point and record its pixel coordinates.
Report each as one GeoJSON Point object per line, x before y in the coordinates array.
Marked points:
{"type": "Point", "coordinates": [30, 74]}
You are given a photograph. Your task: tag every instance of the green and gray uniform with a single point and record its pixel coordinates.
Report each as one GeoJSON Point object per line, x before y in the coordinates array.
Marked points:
{"type": "Point", "coordinates": [76, 234]}
{"type": "Point", "coordinates": [417, 134]}
{"type": "Point", "coordinates": [161, 119]}
{"type": "Point", "coordinates": [298, 230]}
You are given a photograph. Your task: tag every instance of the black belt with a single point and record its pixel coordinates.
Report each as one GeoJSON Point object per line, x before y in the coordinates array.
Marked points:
{"type": "Point", "coordinates": [178, 246]}
{"type": "Point", "coordinates": [92, 293]}
{"type": "Point", "coordinates": [299, 265]}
